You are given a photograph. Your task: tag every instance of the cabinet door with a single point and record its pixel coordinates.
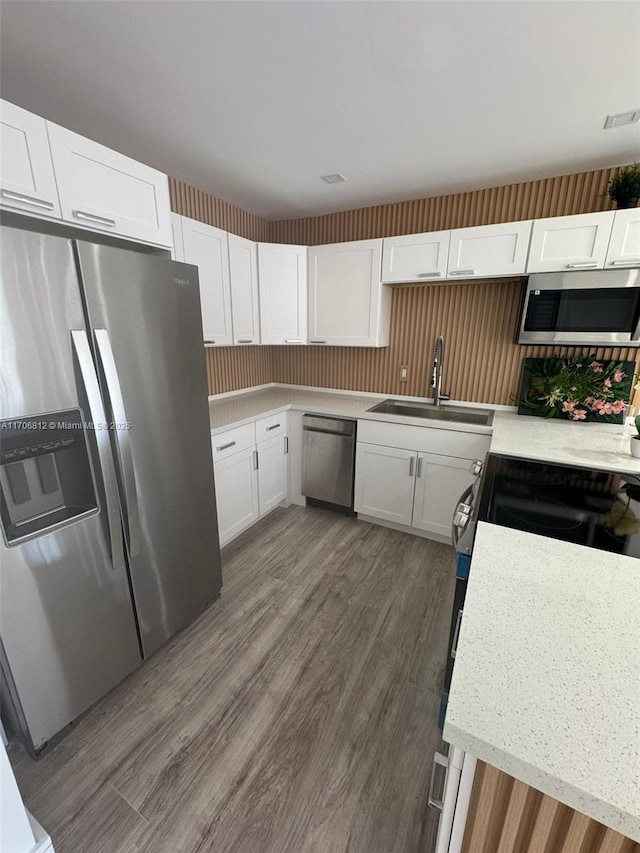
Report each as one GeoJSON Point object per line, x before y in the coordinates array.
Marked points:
{"type": "Point", "coordinates": [27, 182]}
{"type": "Point", "coordinates": [490, 250]}
{"type": "Point", "coordinates": [245, 309]}
{"type": "Point", "coordinates": [282, 278]}
{"type": "Point", "coordinates": [348, 304]}
{"type": "Point", "coordinates": [624, 245]}
{"type": "Point", "coordinates": [272, 472]}
{"type": "Point", "coordinates": [570, 242]}
{"type": "Point", "coordinates": [177, 252]}
{"type": "Point", "coordinates": [415, 257]}
{"type": "Point", "coordinates": [440, 480]}
{"type": "Point", "coordinates": [236, 493]}
{"type": "Point", "coordinates": [106, 191]}
{"type": "Point", "coordinates": [206, 247]}
{"type": "Point", "coordinates": [385, 479]}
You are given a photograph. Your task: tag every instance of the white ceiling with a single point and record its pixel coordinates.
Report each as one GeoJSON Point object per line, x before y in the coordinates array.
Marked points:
{"type": "Point", "coordinates": [254, 101]}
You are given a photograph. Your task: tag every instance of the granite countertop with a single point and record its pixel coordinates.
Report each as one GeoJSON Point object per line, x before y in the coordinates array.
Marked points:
{"type": "Point", "coordinates": [546, 685]}
{"type": "Point", "coordinates": [587, 445]}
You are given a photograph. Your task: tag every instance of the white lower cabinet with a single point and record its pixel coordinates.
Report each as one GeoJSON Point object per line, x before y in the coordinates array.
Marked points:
{"type": "Point", "coordinates": [385, 479]}
{"type": "Point", "coordinates": [399, 481]}
{"type": "Point", "coordinates": [251, 473]}
{"type": "Point", "coordinates": [440, 480]}
{"type": "Point", "coordinates": [272, 472]}
{"type": "Point", "coordinates": [236, 493]}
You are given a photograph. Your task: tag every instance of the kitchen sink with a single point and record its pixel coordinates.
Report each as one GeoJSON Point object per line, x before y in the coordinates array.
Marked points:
{"type": "Point", "coordinates": [427, 411]}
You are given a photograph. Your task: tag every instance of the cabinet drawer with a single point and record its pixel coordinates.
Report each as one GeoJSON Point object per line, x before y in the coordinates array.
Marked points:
{"type": "Point", "coordinates": [271, 426]}
{"type": "Point", "coordinates": [462, 445]}
{"type": "Point", "coordinates": [233, 441]}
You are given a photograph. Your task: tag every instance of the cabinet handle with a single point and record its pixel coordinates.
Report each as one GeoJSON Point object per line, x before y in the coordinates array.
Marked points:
{"type": "Point", "coordinates": [627, 263]}
{"type": "Point", "coordinates": [27, 199]}
{"type": "Point", "coordinates": [419, 471]}
{"type": "Point", "coordinates": [273, 426]}
{"type": "Point", "coordinates": [439, 760]}
{"type": "Point", "coordinates": [412, 462]}
{"type": "Point", "coordinates": [255, 460]}
{"type": "Point", "coordinates": [293, 341]}
{"type": "Point", "coordinates": [456, 635]}
{"type": "Point", "coordinates": [428, 274]}
{"type": "Point", "coordinates": [316, 341]}
{"type": "Point", "coordinates": [209, 342]}
{"type": "Point", "coordinates": [286, 444]}
{"type": "Point", "coordinates": [226, 446]}
{"type": "Point", "coordinates": [92, 217]}
{"type": "Point", "coordinates": [462, 272]}
{"type": "Point", "coordinates": [244, 340]}
{"type": "Point", "coordinates": [583, 266]}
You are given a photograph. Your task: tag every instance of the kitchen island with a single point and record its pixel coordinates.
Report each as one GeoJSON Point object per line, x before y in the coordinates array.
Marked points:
{"type": "Point", "coordinates": [546, 685]}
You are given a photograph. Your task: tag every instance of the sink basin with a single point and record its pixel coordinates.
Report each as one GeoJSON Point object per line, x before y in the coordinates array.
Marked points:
{"type": "Point", "coordinates": [427, 411]}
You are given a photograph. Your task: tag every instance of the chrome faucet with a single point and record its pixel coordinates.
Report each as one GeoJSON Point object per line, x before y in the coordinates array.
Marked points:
{"type": "Point", "coordinates": [436, 375]}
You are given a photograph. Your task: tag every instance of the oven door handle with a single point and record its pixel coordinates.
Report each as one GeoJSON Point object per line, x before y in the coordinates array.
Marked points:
{"type": "Point", "coordinates": [455, 535]}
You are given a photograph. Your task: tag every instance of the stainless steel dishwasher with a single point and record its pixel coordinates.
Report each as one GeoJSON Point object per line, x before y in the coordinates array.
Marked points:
{"type": "Point", "coordinates": [328, 460]}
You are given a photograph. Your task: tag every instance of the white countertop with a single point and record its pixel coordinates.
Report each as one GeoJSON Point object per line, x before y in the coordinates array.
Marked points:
{"type": "Point", "coordinates": [546, 685]}
{"type": "Point", "coordinates": [587, 445]}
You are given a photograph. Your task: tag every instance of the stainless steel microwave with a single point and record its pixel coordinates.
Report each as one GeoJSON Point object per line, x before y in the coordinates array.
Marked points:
{"type": "Point", "coordinates": [598, 308]}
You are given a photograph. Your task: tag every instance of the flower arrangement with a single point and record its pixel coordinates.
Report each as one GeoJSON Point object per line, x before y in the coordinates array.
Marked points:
{"type": "Point", "coordinates": [583, 388]}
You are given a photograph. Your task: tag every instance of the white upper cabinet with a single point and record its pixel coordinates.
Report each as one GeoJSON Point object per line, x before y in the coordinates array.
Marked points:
{"type": "Point", "coordinates": [245, 301]}
{"type": "Point", "coordinates": [282, 275]}
{"type": "Point", "coordinates": [624, 245]}
{"type": "Point", "coordinates": [27, 181]}
{"type": "Point", "coordinates": [570, 242]}
{"type": "Point", "coordinates": [489, 250]}
{"type": "Point", "coordinates": [206, 247]}
{"type": "Point", "coordinates": [177, 250]}
{"type": "Point", "coordinates": [348, 304]}
{"type": "Point", "coordinates": [104, 190]}
{"type": "Point", "coordinates": [415, 257]}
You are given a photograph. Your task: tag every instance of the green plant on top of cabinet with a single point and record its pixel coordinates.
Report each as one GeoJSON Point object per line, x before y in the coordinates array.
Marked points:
{"type": "Point", "coordinates": [570, 242]}
{"type": "Point", "coordinates": [27, 179]}
{"type": "Point", "coordinates": [206, 247]}
{"type": "Point", "coordinates": [282, 278]}
{"type": "Point", "coordinates": [348, 304]}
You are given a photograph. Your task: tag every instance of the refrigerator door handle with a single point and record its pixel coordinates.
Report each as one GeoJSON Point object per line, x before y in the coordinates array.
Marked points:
{"type": "Point", "coordinates": [97, 414]}
{"type": "Point", "coordinates": [121, 429]}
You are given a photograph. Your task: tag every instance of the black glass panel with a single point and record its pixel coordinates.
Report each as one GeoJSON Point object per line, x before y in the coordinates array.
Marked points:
{"type": "Point", "coordinates": [593, 508]}
{"type": "Point", "coordinates": [45, 474]}
{"type": "Point", "coordinates": [601, 309]}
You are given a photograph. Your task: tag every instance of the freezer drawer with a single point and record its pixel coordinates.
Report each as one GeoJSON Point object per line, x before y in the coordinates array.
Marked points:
{"type": "Point", "coordinates": [328, 452]}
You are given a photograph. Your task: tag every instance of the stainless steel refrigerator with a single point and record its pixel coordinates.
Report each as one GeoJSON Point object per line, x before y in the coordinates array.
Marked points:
{"type": "Point", "coordinates": [109, 528]}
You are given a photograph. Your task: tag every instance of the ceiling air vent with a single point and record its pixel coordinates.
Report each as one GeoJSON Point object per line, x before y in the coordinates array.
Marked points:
{"type": "Point", "coordinates": [621, 119]}
{"type": "Point", "coordinates": [336, 178]}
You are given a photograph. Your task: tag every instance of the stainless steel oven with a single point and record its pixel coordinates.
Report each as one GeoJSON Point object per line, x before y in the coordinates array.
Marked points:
{"type": "Point", "coordinates": [596, 308]}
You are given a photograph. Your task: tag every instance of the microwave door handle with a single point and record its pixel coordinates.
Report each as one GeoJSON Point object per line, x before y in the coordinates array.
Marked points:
{"type": "Point", "coordinates": [105, 455]}
{"type": "Point", "coordinates": [122, 436]}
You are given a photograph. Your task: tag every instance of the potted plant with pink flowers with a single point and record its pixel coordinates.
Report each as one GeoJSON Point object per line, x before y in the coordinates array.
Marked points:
{"type": "Point", "coordinates": [582, 388]}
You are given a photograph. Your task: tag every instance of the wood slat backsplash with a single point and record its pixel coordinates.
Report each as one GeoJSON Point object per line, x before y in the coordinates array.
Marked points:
{"type": "Point", "coordinates": [478, 319]}
{"type": "Point", "coordinates": [197, 204]}
{"type": "Point", "coordinates": [583, 192]}
{"type": "Point", "coordinates": [482, 361]}
{"type": "Point", "coordinates": [507, 816]}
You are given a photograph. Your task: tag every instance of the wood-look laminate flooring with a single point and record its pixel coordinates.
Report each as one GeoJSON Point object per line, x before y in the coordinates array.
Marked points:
{"type": "Point", "coordinates": [296, 715]}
